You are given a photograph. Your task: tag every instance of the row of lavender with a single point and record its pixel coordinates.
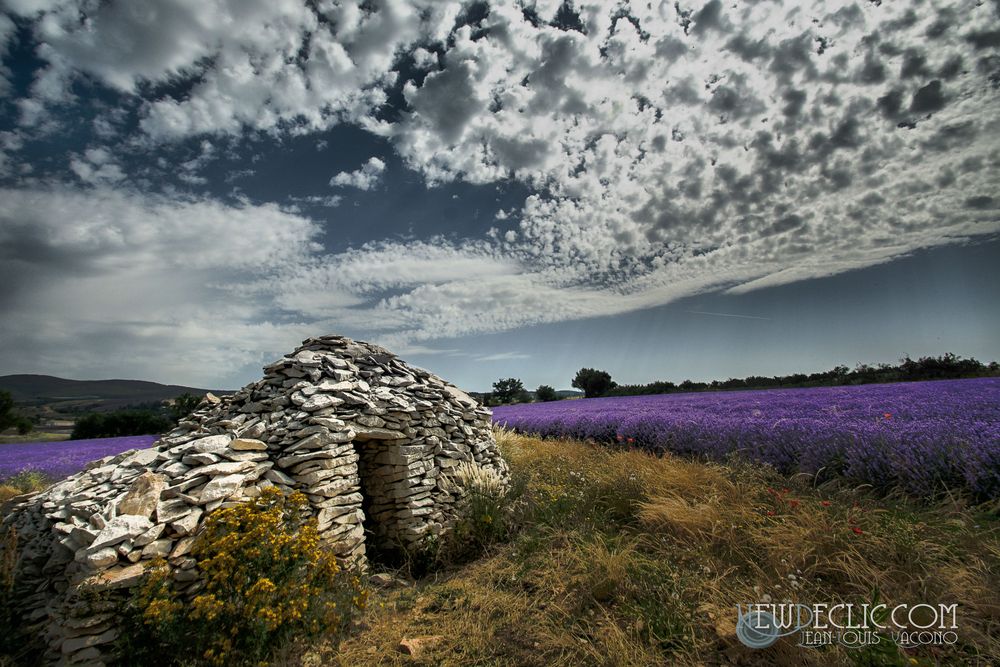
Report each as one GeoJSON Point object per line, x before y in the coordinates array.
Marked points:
{"type": "Point", "coordinates": [922, 437]}
{"type": "Point", "coordinates": [61, 459]}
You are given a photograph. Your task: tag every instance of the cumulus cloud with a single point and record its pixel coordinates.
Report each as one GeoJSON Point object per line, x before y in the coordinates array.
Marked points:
{"type": "Point", "coordinates": [424, 59]}
{"type": "Point", "coordinates": [329, 201]}
{"type": "Point", "coordinates": [146, 283]}
{"type": "Point", "coordinates": [365, 178]}
{"type": "Point", "coordinates": [503, 356]}
{"type": "Point", "coordinates": [668, 148]}
{"type": "Point", "coordinates": [10, 144]}
{"type": "Point", "coordinates": [96, 165]}
{"type": "Point", "coordinates": [261, 63]}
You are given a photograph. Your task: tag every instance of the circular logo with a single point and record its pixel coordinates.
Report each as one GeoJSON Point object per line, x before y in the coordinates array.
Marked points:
{"type": "Point", "coordinates": [757, 629]}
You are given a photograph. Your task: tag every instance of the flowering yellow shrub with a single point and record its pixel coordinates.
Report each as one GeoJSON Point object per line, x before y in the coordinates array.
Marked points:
{"type": "Point", "coordinates": [266, 579]}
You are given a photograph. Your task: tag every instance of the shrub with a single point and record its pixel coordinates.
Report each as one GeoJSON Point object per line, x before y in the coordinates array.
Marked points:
{"type": "Point", "coordinates": [508, 390]}
{"type": "Point", "coordinates": [24, 426]}
{"type": "Point", "coordinates": [120, 424]}
{"type": "Point", "coordinates": [10, 417]}
{"type": "Point", "coordinates": [545, 393]}
{"type": "Point", "coordinates": [183, 405]}
{"type": "Point", "coordinates": [267, 580]}
{"type": "Point", "coordinates": [485, 517]}
{"type": "Point", "coordinates": [593, 382]}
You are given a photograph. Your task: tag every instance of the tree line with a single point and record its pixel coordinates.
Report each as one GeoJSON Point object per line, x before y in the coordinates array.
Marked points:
{"type": "Point", "coordinates": [146, 419]}
{"type": "Point", "coordinates": [595, 382]}
{"type": "Point", "coordinates": [149, 418]}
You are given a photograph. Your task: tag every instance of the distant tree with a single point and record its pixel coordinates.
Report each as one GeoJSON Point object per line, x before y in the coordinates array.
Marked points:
{"type": "Point", "coordinates": [593, 382]}
{"type": "Point", "coordinates": [11, 417]}
{"type": "Point", "coordinates": [8, 415]}
{"type": "Point", "coordinates": [947, 366]}
{"type": "Point", "coordinates": [121, 423]}
{"type": "Point", "coordinates": [184, 405]}
{"type": "Point", "coordinates": [545, 393]}
{"type": "Point", "coordinates": [506, 390]}
{"type": "Point", "coordinates": [688, 385]}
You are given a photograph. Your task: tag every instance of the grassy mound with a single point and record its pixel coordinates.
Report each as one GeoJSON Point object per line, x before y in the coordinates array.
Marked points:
{"type": "Point", "coordinates": [609, 557]}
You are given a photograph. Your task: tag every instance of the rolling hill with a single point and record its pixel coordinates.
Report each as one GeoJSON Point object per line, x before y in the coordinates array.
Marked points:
{"type": "Point", "coordinates": [73, 396]}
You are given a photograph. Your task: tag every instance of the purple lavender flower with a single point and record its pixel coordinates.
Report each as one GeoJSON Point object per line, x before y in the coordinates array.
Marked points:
{"type": "Point", "coordinates": [922, 437]}
{"type": "Point", "coordinates": [60, 459]}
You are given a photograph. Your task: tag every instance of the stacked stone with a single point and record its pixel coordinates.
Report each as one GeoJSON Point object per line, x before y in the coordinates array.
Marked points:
{"type": "Point", "coordinates": [346, 423]}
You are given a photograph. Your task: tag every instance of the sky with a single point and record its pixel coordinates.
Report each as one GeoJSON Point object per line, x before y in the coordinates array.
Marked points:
{"type": "Point", "coordinates": [666, 190]}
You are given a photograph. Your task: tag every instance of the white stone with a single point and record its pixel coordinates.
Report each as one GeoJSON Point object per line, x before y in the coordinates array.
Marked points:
{"type": "Point", "coordinates": [331, 423]}
{"type": "Point", "coordinates": [248, 445]}
{"type": "Point", "coordinates": [188, 523]}
{"type": "Point", "coordinates": [157, 549]}
{"type": "Point", "coordinates": [171, 510]}
{"type": "Point", "coordinates": [221, 487]}
{"type": "Point", "coordinates": [279, 477]}
{"type": "Point", "coordinates": [320, 401]}
{"type": "Point", "coordinates": [255, 429]}
{"type": "Point", "coordinates": [143, 495]}
{"type": "Point", "coordinates": [143, 458]}
{"type": "Point", "coordinates": [247, 456]}
{"type": "Point", "coordinates": [200, 459]}
{"type": "Point", "coordinates": [102, 558]}
{"type": "Point", "coordinates": [213, 444]}
{"type": "Point", "coordinates": [327, 385]}
{"type": "Point", "coordinates": [366, 433]}
{"type": "Point", "coordinates": [223, 468]}
{"type": "Point", "coordinates": [120, 528]}
{"type": "Point", "coordinates": [182, 548]}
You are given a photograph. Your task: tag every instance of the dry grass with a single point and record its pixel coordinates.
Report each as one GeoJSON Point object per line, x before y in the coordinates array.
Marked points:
{"type": "Point", "coordinates": [21, 483]}
{"type": "Point", "coordinates": [621, 558]}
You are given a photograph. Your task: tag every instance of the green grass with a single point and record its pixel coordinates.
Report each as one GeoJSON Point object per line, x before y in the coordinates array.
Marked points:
{"type": "Point", "coordinates": [34, 436]}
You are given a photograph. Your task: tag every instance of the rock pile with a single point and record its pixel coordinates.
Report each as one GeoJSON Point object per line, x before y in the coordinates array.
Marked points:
{"type": "Point", "coordinates": [371, 441]}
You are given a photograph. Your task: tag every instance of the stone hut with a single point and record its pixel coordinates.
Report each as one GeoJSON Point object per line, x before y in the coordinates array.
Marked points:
{"type": "Point", "coordinates": [373, 443]}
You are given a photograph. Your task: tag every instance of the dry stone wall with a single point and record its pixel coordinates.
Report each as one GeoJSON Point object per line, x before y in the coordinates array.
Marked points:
{"type": "Point", "coordinates": [372, 442]}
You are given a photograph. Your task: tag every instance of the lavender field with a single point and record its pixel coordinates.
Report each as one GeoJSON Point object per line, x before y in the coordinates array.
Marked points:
{"type": "Point", "coordinates": [60, 459]}
{"type": "Point", "coordinates": [922, 437]}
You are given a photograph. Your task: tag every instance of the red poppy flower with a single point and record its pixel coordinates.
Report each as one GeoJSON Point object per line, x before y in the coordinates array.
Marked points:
{"type": "Point", "coordinates": [857, 531]}
{"type": "Point", "coordinates": [631, 440]}
{"type": "Point", "coordinates": [825, 503]}
{"type": "Point", "coordinates": [887, 415]}
{"type": "Point", "coordinates": [770, 513]}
